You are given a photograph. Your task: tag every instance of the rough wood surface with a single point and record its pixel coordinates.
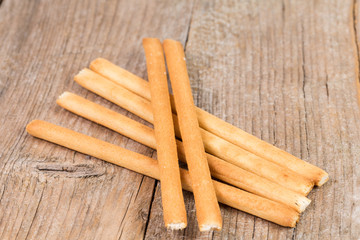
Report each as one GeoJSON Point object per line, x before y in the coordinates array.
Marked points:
{"type": "Point", "coordinates": [286, 71]}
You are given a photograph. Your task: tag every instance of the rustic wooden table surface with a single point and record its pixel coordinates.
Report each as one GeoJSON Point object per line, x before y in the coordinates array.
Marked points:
{"type": "Point", "coordinates": [285, 71]}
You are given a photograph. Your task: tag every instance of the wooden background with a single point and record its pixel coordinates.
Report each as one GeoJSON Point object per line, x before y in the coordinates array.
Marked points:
{"type": "Point", "coordinates": [286, 71]}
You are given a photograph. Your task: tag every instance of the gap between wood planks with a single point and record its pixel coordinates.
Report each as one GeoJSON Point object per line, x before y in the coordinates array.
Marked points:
{"type": "Point", "coordinates": [189, 26]}
{"type": "Point", "coordinates": [353, 21]}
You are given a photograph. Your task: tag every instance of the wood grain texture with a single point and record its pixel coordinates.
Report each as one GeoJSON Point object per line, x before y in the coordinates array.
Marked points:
{"type": "Point", "coordinates": [285, 71]}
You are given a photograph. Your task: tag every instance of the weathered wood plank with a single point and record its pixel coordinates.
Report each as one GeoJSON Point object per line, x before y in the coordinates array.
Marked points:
{"type": "Point", "coordinates": [355, 208]}
{"type": "Point", "coordinates": [286, 72]}
{"type": "Point", "coordinates": [48, 192]}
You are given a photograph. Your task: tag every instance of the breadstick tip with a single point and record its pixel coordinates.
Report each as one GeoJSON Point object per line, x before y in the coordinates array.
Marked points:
{"type": "Point", "coordinates": [31, 126]}
{"type": "Point", "coordinates": [173, 42]}
{"type": "Point", "coordinates": [147, 40]}
{"type": "Point", "coordinates": [303, 203]}
{"type": "Point", "coordinates": [176, 226]}
{"type": "Point", "coordinates": [170, 40]}
{"type": "Point", "coordinates": [83, 72]}
{"type": "Point", "coordinates": [98, 61]}
{"type": "Point", "coordinates": [61, 101]}
{"type": "Point", "coordinates": [64, 95]}
{"type": "Point", "coordinates": [323, 179]}
{"type": "Point", "coordinates": [209, 227]}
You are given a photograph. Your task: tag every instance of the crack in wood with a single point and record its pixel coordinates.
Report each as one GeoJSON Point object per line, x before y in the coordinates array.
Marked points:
{"type": "Point", "coordinates": [36, 213]}
{"type": "Point", "coordinates": [71, 171]}
{"type": "Point", "coordinates": [189, 26]}
{"type": "Point", "coordinates": [327, 86]}
{"type": "Point", "coordinates": [152, 202]}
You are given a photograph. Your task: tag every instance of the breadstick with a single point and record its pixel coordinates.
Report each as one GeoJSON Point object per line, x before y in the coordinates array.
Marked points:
{"type": "Point", "coordinates": [236, 198]}
{"type": "Point", "coordinates": [108, 118]}
{"type": "Point", "coordinates": [275, 173]}
{"type": "Point", "coordinates": [220, 169]}
{"type": "Point", "coordinates": [122, 77]}
{"type": "Point", "coordinates": [171, 191]}
{"type": "Point", "coordinates": [112, 92]}
{"type": "Point", "coordinates": [217, 126]}
{"type": "Point", "coordinates": [207, 207]}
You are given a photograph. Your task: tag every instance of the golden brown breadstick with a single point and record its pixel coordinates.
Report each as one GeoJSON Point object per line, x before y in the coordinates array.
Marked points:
{"type": "Point", "coordinates": [240, 157]}
{"type": "Point", "coordinates": [171, 191]}
{"type": "Point", "coordinates": [217, 126]}
{"type": "Point", "coordinates": [121, 76]}
{"type": "Point", "coordinates": [112, 92]}
{"type": "Point", "coordinates": [207, 207]}
{"type": "Point", "coordinates": [107, 118]}
{"type": "Point", "coordinates": [236, 198]}
{"type": "Point", "coordinates": [220, 169]}
{"type": "Point", "coordinates": [93, 147]}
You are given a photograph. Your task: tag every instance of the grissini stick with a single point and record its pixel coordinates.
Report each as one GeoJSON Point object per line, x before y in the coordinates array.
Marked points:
{"type": "Point", "coordinates": [108, 118]}
{"type": "Point", "coordinates": [122, 77]}
{"type": "Point", "coordinates": [171, 191]}
{"type": "Point", "coordinates": [220, 169]}
{"type": "Point", "coordinates": [112, 92]}
{"type": "Point", "coordinates": [216, 125]}
{"type": "Point", "coordinates": [207, 207]}
{"type": "Point", "coordinates": [234, 197]}
{"type": "Point", "coordinates": [142, 108]}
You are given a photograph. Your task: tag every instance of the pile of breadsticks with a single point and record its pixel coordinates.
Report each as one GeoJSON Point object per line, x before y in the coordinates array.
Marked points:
{"type": "Point", "coordinates": [252, 175]}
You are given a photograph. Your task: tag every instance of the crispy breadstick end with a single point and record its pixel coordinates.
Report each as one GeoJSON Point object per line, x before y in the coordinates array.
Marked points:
{"type": "Point", "coordinates": [234, 197]}
{"type": "Point", "coordinates": [171, 191]}
{"type": "Point", "coordinates": [207, 207]}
